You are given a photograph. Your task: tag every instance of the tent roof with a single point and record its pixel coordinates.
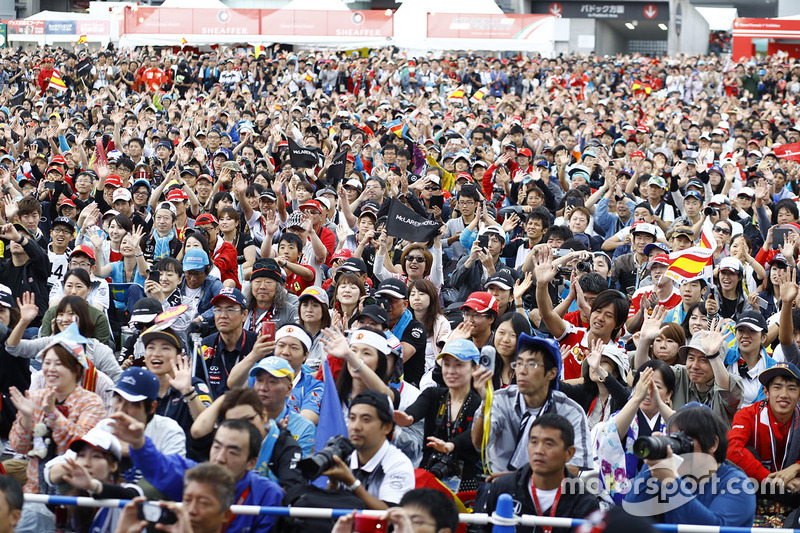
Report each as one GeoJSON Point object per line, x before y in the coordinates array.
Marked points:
{"type": "Point", "coordinates": [195, 4]}
{"type": "Point", "coordinates": [487, 7]}
{"type": "Point", "coordinates": [313, 5]}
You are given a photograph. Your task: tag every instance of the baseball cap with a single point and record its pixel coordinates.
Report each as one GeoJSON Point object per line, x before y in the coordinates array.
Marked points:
{"type": "Point", "coordinates": [195, 259]}
{"type": "Point", "coordinates": [656, 245]}
{"type": "Point", "coordinates": [369, 207]}
{"type": "Point", "coordinates": [66, 201]}
{"type": "Point", "coordinates": [63, 221]}
{"type": "Point", "coordinates": [6, 298]}
{"type": "Point", "coordinates": [752, 320]}
{"type": "Point", "coordinates": [660, 259]}
{"type": "Point", "coordinates": [351, 264]}
{"type": "Point", "coordinates": [694, 194]}
{"type": "Point", "coordinates": [501, 279]}
{"type": "Point", "coordinates": [311, 204]}
{"type": "Point", "coordinates": [161, 331]}
{"type": "Point", "coordinates": [169, 207]}
{"type": "Point", "coordinates": [232, 294]}
{"type": "Point", "coordinates": [481, 302]}
{"type": "Point", "coordinates": [526, 152]}
{"type": "Point", "coordinates": [747, 191]}
{"type": "Point", "coordinates": [778, 258]}
{"type": "Point", "coordinates": [732, 264]}
{"type": "Point", "coordinates": [342, 253]}
{"type": "Point", "coordinates": [146, 310]}
{"type": "Point", "coordinates": [392, 287]}
{"type": "Point", "coordinates": [719, 199]}
{"type": "Point", "coordinates": [137, 384]}
{"type": "Point", "coordinates": [267, 268]}
{"type": "Point", "coordinates": [205, 177]}
{"type": "Point", "coordinates": [374, 312]}
{"type": "Point", "coordinates": [99, 439]}
{"type": "Point", "coordinates": [206, 218]}
{"type": "Point", "coordinates": [354, 183]}
{"type": "Point", "coordinates": [114, 180]}
{"type": "Point", "coordinates": [269, 194]}
{"type": "Point", "coordinates": [658, 181]}
{"type": "Point", "coordinates": [317, 293]}
{"type": "Point", "coordinates": [461, 349]}
{"type": "Point", "coordinates": [548, 346]}
{"type": "Point", "coordinates": [85, 250]}
{"type": "Point", "coordinates": [779, 369]}
{"type": "Point", "coordinates": [121, 194]}
{"type": "Point", "coordinates": [694, 182]}
{"type": "Point", "coordinates": [295, 220]}
{"type": "Point", "coordinates": [644, 227]}
{"type": "Point", "coordinates": [177, 195]}
{"type": "Point", "coordinates": [276, 366]}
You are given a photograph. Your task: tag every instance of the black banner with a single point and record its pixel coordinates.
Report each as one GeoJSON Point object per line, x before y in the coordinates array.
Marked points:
{"type": "Point", "coordinates": [302, 157]}
{"type": "Point", "coordinates": [404, 223]}
{"type": "Point", "coordinates": [335, 172]}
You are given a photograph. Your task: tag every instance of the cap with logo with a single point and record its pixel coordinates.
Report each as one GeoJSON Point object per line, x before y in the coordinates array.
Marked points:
{"type": "Point", "coordinates": [121, 195]}
{"type": "Point", "coordinates": [267, 268]}
{"type": "Point", "coordinates": [646, 228]}
{"type": "Point", "coordinates": [731, 264]}
{"type": "Point", "coordinates": [64, 221]}
{"type": "Point", "coordinates": [461, 349]}
{"type": "Point", "coordinates": [501, 279]}
{"type": "Point", "coordinates": [146, 310]}
{"type": "Point", "coordinates": [137, 384]}
{"type": "Point", "coordinates": [481, 302]}
{"type": "Point", "coordinates": [195, 259]}
{"type": "Point", "coordinates": [317, 293]}
{"type": "Point", "coordinates": [85, 250]}
{"type": "Point", "coordinates": [548, 346]}
{"type": "Point", "coordinates": [753, 320]}
{"type": "Point", "coordinates": [99, 439]}
{"type": "Point", "coordinates": [788, 370]}
{"type": "Point", "coordinates": [375, 313]}
{"type": "Point", "coordinates": [274, 365]}
{"type": "Point", "coordinates": [394, 288]}
{"type": "Point", "coordinates": [231, 294]}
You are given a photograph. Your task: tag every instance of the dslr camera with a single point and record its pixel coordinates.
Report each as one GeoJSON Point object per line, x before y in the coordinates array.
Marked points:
{"type": "Point", "coordinates": [655, 448]}
{"type": "Point", "coordinates": [337, 446]}
{"type": "Point", "coordinates": [443, 465]}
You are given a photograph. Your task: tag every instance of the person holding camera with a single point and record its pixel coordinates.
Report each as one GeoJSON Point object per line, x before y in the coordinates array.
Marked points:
{"type": "Point", "coordinates": [448, 412]}
{"type": "Point", "coordinates": [703, 489]}
{"type": "Point", "coordinates": [377, 472]}
{"type": "Point", "coordinates": [539, 487]}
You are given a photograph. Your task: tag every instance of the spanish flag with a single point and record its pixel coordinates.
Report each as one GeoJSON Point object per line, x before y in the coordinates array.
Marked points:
{"type": "Point", "coordinates": [397, 127]}
{"type": "Point", "coordinates": [184, 42]}
{"type": "Point", "coordinates": [309, 77]}
{"type": "Point", "coordinates": [457, 94]}
{"type": "Point", "coordinates": [56, 83]}
{"type": "Point", "coordinates": [82, 39]}
{"type": "Point", "coordinates": [479, 95]}
{"type": "Point", "coordinates": [707, 239]}
{"type": "Point", "coordinates": [259, 50]}
{"type": "Point", "coordinates": [690, 263]}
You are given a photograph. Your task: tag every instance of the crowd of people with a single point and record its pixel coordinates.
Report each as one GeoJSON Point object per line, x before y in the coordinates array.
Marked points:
{"type": "Point", "coordinates": [182, 291]}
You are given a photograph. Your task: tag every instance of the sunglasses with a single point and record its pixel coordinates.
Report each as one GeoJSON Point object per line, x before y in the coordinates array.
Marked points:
{"type": "Point", "coordinates": [416, 259]}
{"type": "Point", "coordinates": [724, 231]}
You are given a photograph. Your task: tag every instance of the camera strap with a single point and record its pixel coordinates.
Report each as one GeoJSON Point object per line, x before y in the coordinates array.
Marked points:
{"type": "Point", "coordinates": [240, 501]}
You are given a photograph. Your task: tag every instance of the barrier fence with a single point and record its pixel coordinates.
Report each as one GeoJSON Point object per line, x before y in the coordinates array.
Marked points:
{"type": "Point", "coordinates": [467, 518]}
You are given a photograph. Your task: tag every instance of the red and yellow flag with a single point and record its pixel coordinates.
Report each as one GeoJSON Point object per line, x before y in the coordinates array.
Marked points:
{"type": "Point", "coordinates": [707, 239]}
{"type": "Point", "coordinates": [184, 41]}
{"type": "Point", "coordinates": [259, 50]}
{"type": "Point", "coordinates": [82, 39]}
{"type": "Point", "coordinates": [56, 82]}
{"type": "Point", "coordinates": [457, 94]}
{"type": "Point", "coordinates": [479, 95]}
{"type": "Point", "coordinates": [690, 263]}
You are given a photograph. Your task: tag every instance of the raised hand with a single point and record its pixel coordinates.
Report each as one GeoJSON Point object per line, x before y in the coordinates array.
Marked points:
{"type": "Point", "coordinates": [77, 475]}
{"type": "Point", "coordinates": [403, 419]}
{"type": "Point", "coordinates": [522, 285]}
{"type": "Point", "coordinates": [789, 288]}
{"type": "Point", "coordinates": [543, 269]}
{"type": "Point", "coordinates": [643, 385]}
{"type": "Point", "coordinates": [28, 310]}
{"type": "Point", "coordinates": [335, 343]}
{"type": "Point", "coordinates": [596, 357]}
{"type": "Point", "coordinates": [713, 339]}
{"type": "Point", "coordinates": [181, 379]}
{"type": "Point", "coordinates": [22, 402]}
{"type": "Point", "coordinates": [652, 324]}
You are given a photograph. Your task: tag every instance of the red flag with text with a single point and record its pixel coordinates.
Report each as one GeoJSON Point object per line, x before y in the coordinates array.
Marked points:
{"type": "Point", "coordinates": [788, 151]}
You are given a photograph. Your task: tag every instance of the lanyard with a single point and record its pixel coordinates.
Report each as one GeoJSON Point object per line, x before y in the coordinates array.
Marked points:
{"type": "Point", "coordinates": [240, 501]}
{"type": "Point", "coordinates": [539, 510]}
{"type": "Point", "coordinates": [457, 429]}
{"type": "Point", "coordinates": [772, 444]}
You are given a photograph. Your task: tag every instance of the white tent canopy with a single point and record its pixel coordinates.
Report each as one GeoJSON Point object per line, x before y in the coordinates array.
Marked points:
{"type": "Point", "coordinates": [195, 4]}
{"type": "Point", "coordinates": [315, 5]}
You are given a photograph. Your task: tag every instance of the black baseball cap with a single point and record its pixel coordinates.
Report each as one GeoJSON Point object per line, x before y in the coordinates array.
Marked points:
{"type": "Point", "coordinates": [351, 264]}
{"type": "Point", "coordinates": [392, 287]}
{"type": "Point", "coordinates": [375, 313]}
{"type": "Point", "coordinates": [752, 320]}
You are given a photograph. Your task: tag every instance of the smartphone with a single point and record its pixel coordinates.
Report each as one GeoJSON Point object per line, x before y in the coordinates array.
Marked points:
{"type": "Point", "coordinates": [779, 237]}
{"type": "Point", "coordinates": [561, 252]}
{"type": "Point", "coordinates": [268, 329]}
{"type": "Point", "coordinates": [155, 514]}
{"type": "Point", "coordinates": [50, 185]}
{"type": "Point", "coordinates": [483, 241]}
{"type": "Point", "coordinates": [574, 201]}
{"type": "Point", "coordinates": [437, 201]}
{"type": "Point", "coordinates": [155, 275]}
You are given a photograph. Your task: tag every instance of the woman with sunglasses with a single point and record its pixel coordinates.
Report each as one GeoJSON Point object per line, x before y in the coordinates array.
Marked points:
{"type": "Point", "coordinates": [722, 231]}
{"type": "Point", "coordinates": [416, 262]}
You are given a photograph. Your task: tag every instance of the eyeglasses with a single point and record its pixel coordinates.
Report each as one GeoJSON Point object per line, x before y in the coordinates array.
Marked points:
{"type": "Point", "coordinates": [416, 259]}
{"type": "Point", "coordinates": [83, 264]}
{"type": "Point", "coordinates": [720, 229]}
{"type": "Point", "coordinates": [227, 310]}
{"type": "Point", "coordinates": [431, 188]}
{"type": "Point", "coordinates": [62, 230]}
{"type": "Point", "coordinates": [529, 365]}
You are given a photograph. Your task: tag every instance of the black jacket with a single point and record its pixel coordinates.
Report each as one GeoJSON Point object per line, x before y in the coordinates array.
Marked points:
{"type": "Point", "coordinates": [570, 504]}
{"type": "Point", "coordinates": [30, 277]}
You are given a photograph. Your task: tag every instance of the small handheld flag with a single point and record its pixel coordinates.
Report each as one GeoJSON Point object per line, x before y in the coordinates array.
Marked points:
{"type": "Point", "coordinates": [183, 41]}
{"type": "Point", "coordinates": [479, 95]}
{"type": "Point", "coordinates": [259, 50]}
{"type": "Point", "coordinates": [457, 94]}
{"type": "Point", "coordinates": [82, 39]}
{"type": "Point", "coordinates": [56, 83]}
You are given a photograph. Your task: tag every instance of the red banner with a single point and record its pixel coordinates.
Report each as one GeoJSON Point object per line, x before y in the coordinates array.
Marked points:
{"type": "Point", "coordinates": [161, 20]}
{"type": "Point", "coordinates": [475, 26]}
{"type": "Point", "coordinates": [327, 23]}
{"type": "Point", "coordinates": [788, 151]}
{"type": "Point", "coordinates": [25, 27]}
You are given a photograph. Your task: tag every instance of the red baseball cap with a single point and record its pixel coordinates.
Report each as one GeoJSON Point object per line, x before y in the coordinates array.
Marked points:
{"type": "Point", "coordinates": [344, 253]}
{"type": "Point", "coordinates": [312, 204]}
{"type": "Point", "coordinates": [642, 129]}
{"type": "Point", "coordinates": [660, 259]}
{"type": "Point", "coordinates": [205, 218]}
{"type": "Point", "coordinates": [54, 169]}
{"type": "Point", "coordinates": [114, 180]}
{"type": "Point", "coordinates": [58, 160]}
{"type": "Point", "coordinates": [525, 151]}
{"type": "Point", "coordinates": [85, 250]}
{"type": "Point", "coordinates": [351, 158]}
{"type": "Point", "coordinates": [66, 201]}
{"type": "Point", "coordinates": [481, 302]}
{"type": "Point", "coordinates": [177, 195]}
{"type": "Point", "coordinates": [638, 153]}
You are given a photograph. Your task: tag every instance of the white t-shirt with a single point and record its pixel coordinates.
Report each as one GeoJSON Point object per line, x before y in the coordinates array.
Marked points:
{"type": "Point", "coordinates": [389, 474]}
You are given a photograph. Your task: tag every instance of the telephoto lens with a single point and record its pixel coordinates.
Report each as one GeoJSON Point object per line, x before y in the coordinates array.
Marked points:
{"type": "Point", "coordinates": [655, 448]}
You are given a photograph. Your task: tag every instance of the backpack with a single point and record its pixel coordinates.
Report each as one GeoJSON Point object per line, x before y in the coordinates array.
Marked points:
{"type": "Point", "coordinates": [312, 496]}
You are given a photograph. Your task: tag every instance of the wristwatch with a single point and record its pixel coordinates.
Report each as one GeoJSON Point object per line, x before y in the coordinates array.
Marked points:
{"type": "Point", "coordinates": [354, 486]}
